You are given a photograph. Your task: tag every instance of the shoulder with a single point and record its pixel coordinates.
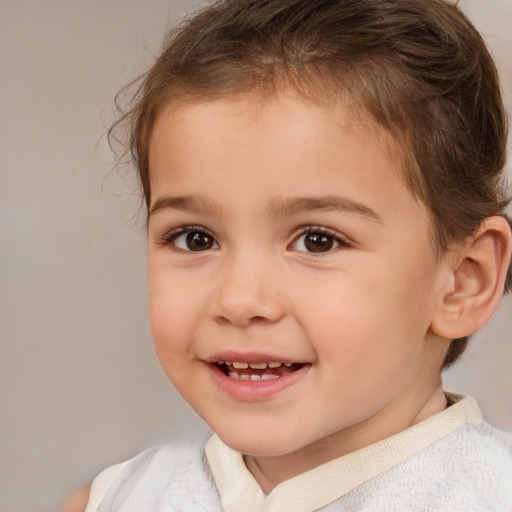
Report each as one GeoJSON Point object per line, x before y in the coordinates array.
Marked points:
{"type": "Point", "coordinates": [172, 456]}
{"type": "Point", "coordinates": [173, 473]}
{"type": "Point", "coordinates": [473, 465]}
{"type": "Point", "coordinates": [474, 460]}
{"type": "Point", "coordinates": [470, 469]}
{"type": "Point", "coordinates": [473, 447]}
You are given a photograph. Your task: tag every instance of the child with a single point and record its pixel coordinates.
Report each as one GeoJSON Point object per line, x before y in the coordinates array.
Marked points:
{"type": "Point", "coordinates": [326, 229]}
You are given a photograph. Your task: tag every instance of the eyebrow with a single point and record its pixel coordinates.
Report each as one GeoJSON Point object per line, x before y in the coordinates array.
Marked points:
{"type": "Point", "coordinates": [284, 207]}
{"type": "Point", "coordinates": [275, 208]}
{"type": "Point", "coordinates": [197, 204]}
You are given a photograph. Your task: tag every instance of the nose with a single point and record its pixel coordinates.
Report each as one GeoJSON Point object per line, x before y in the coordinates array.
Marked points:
{"type": "Point", "coordinates": [247, 293]}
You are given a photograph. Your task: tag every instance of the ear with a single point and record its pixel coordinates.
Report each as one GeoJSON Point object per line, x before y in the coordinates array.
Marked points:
{"type": "Point", "coordinates": [477, 278]}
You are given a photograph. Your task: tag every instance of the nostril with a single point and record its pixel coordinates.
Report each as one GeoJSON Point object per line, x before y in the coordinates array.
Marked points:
{"type": "Point", "coordinates": [241, 303]}
{"type": "Point", "coordinates": [254, 320]}
{"type": "Point", "coordinates": [257, 319]}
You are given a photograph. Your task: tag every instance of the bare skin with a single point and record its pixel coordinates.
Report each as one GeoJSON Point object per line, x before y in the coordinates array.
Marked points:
{"type": "Point", "coordinates": [77, 501]}
{"type": "Point", "coordinates": [349, 313]}
{"type": "Point", "coordinates": [240, 188]}
{"type": "Point", "coordinates": [268, 474]}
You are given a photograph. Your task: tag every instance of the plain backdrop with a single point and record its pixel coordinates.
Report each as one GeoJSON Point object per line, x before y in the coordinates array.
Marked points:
{"type": "Point", "coordinates": [80, 387]}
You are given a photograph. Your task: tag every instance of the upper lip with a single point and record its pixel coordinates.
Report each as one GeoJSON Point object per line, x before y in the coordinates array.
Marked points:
{"type": "Point", "coordinates": [250, 357]}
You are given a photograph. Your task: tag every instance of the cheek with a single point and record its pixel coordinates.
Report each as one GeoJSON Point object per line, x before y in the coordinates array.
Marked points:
{"type": "Point", "coordinates": [172, 317]}
{"type": "Point", "coordinates": [371, 319]}
{"type": "Point", "coordinates": [171, 326]}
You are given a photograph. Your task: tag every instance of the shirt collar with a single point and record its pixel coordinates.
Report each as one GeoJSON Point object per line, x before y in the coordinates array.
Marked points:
{"type": "Point", "coordinates": [315, 489]}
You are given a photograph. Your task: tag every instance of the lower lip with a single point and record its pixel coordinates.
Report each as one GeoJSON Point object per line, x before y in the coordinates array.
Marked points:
{"type": "Point", "coordinates": [255, 390]}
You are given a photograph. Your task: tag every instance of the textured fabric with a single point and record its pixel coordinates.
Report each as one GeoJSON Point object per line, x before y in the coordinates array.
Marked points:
{"type": "Point", "coordinates": [101, 483]}
{"type": "Point", "coordinates": [316, 488]}
{"type": "Point", "coordinates": [467, 469]}
{"type": "Point", "coordinates": [171, 478]}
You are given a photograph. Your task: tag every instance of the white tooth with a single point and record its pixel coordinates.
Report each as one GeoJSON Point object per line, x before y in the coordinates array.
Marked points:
{"type": "Point", "coordinates": [258, 366]}
{"type": "Point", "coordinates": [255, 377]}
{"type": "Point", "coordinates": [233, 375]}
{"type": "Point", "coordinates": [240, 366]}
{"type": "Point", "coordinates": [268, 376]}
{"type": "Point", "coordinates": [245, 377]}
{"type": "Point", "coordinates": [274, 365]}
{"type": "Point", "coordinates": [220, 361]}
{"type": "Point", "coordinates": [229, 363]}
{"type": "Point", "coordinates": [288, 365]}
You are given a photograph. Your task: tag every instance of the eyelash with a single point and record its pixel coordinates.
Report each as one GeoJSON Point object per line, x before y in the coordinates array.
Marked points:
{"type": "Point", "coordinates": [336, 237]}
{"type": "Point", "coordinates": [171, 237]}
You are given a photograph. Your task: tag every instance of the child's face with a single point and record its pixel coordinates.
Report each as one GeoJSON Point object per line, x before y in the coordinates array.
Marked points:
{"type": "Point", "coordinates": [284, 233]}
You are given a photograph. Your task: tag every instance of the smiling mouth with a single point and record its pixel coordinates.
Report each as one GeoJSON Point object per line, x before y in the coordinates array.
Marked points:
{"type": "Point", "coordinates": [257, 371]}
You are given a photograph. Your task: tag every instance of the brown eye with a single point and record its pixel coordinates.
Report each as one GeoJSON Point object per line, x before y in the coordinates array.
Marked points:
{"type": "Point", "coordinates": [199, 241]}
{"type": "Point", "coordinates": [193, 240]}
{"type": "Point", "coordinates": [317, 242]}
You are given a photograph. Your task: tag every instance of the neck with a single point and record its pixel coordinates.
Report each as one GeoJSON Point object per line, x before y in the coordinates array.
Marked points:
{"type": "Point", "coordinates": [271, 471]}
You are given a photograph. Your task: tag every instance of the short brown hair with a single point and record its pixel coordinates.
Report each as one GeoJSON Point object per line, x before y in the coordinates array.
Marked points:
{"type": "Point", "coordinates": [417, 67]}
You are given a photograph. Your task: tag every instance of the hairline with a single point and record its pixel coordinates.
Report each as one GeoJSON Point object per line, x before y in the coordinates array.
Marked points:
{"type": "Point", "coordinates": [394, 142]}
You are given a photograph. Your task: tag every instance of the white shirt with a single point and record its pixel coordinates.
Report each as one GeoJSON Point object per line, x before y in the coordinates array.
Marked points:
{"type": "Point", "coordinates": [451, 461]}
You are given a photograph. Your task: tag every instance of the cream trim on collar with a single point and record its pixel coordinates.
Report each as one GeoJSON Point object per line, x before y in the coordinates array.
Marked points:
{"type": "Point", "coordinates": [101, 484]}
{"type": "Point", "coordinates": [317, 488]}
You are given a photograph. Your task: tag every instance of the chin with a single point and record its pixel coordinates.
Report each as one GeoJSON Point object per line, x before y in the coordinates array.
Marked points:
{"type": "Point", "coordinates": [258, 443]}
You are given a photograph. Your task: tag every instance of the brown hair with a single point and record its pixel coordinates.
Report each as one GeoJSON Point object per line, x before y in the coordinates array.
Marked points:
{"type": "Point", "coordinates": [417, 67]}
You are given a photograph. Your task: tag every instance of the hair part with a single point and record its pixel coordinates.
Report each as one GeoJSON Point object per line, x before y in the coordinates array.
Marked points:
{"type": "Point", "coordinates": [419, 68]}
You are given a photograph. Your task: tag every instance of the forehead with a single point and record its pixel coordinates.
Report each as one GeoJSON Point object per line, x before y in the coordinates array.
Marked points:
{"type": "Point", "coordinates": [285, 145]}
{"type": "Point", "coordinates": [244, 154]}
{"type": "Point", "coordinates": [345, 106]}
{"type": "Point", "coordinates": [307, 119]}
{"type": "Point", "coordinates": [290, 131]}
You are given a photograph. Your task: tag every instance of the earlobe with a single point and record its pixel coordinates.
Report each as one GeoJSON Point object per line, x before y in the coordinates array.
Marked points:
{"type": "Point", "coordinates": [477, 281]}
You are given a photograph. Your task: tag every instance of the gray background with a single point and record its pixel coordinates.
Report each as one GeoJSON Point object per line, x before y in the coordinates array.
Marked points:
{"type": "Point", "coordinates": [80, 387]}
